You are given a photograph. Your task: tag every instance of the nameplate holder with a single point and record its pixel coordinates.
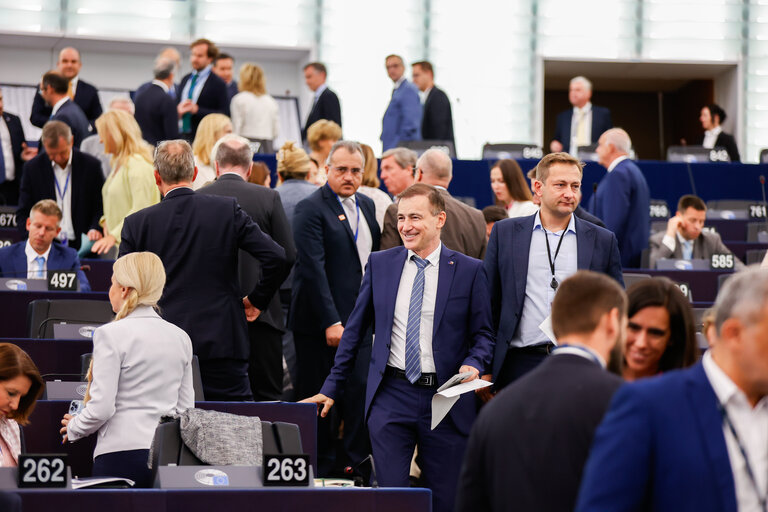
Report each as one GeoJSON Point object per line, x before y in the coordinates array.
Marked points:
{"type": "Point", "coordinates": [686, 289]}
{"type": "Point", "coordinates": [285, 470]}
{"type": "Point", "coordinates": [757, 211]}
{"type": "Point", "coordinates": [722, 261]}
{"type": "Point", "coordinates": [62, 280]}
{"type": "Point", "coordinates": [43, 471]}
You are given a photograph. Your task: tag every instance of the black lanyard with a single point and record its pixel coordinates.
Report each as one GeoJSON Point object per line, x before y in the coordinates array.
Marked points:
{"type": "Point", "coordinates": [760, 498]}
{"type": "Point", "coordinates": [554, 282]}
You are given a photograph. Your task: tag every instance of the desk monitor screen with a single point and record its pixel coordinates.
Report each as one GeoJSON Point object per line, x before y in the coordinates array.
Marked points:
{"type": "Point", "coordinates": [65, 390]}
{"type": "Point", "coordinates": [21, 285]}
{"type": "Point", "coordinates": [70, 331]}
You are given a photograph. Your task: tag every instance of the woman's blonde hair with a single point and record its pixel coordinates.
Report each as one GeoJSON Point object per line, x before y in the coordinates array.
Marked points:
{"type": "Point", "coordinates": [370, 179]}
{"type": "Point", "coordinates": [322, 130]}
{"type": "Point", "coordinates": [122, 130]}
{"type": "Point", "coordinates": [144, 274]}
{"type": "Point", "coordinates": [252, 79]}
{"type": "Point", "coordinates": [210, 130]}
{"type": "Point", "coordinates": [292, 162]}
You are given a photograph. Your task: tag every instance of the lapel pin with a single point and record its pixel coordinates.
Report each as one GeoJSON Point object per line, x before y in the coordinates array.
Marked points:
{"type": "Point", "coordinates": [342, 217]}
{"type": "Point", "coordinates": [450, 262]}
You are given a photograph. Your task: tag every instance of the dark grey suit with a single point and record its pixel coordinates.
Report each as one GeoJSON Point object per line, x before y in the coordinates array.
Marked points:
{"type": "Point", "coordinates": [704, 247]}
{"type": "Point", "coordinates": [265, 365]}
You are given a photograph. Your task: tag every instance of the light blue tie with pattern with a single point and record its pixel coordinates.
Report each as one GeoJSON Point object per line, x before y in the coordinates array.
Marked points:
{"type": "Point", "coordinates": [412, 347]}
{"type": "Point", "coordinates": [40, 262]}
{"type": "Point", "coordinates": [688, 249]}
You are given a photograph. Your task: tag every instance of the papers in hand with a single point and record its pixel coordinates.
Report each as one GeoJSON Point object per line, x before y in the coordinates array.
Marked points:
{"type": "Point", "coordinates": [449, 393]}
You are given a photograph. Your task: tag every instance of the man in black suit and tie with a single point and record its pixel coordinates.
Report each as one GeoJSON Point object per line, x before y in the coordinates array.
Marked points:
{"type": "Point", "coordinates": [13, 153]}
{"type": "Point", "coordinates": [198, 237]}
{"type": "Point", "coordinates": [233, 160]}
{"type": "Point", "coordinates": [335, 231]}
{"type": "Point", "coordinates": [325, 103]}
{"type": "Point", "coordinates": [81, 92]}
{"type": "Point", "coordinates": [223, 66]}
{"type": "Point", "coordinates": [201, 92]}
{"type": "Point", "coordinates": [528, 446]}
{"type": "Point", "coordinates": [436, 117]}
{"type": "Point", "coordinates": [53, 89]}
{"type": "Point", "coordinates": [71, 178]}
{"type": "Point", "coordinates": [583, 124]}
{"type": "Point", "coordinates": [155, 108]}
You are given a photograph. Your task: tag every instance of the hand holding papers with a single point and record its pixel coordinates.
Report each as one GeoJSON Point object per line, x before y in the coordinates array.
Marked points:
{"type": "Point", "coordinates": [449, 393]}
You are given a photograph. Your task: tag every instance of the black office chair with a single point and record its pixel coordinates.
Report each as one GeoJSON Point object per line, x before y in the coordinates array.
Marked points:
{"type": "Point", "coordinates": [42, 314]}
{"type": "Point", "coordinates": [755, 256]}
{"type": "Point", "coordinates": [764, 156]}
{"type": "Point", "coordinates": [511, 150]}
{"type": "Point", "coordinates": [757, 232]}
{"type": "Point", "coordinates": [420, 146]}
{"type": "Point", "coordinates": [658, 225]}
{"type": "Point", "coordinates": [631, 278]}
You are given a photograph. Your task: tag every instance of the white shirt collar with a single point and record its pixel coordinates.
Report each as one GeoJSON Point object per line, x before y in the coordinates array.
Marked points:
{"type": "Point", "coordinates": [582, 351]}
{"type": "Point", "coordinates": [617, 162]}
{"type": "Point", "coordinates": [399, 82]}
{"type": "Point", "coordinates": [320, 89]}
{"type": "Point", "coordinates": [433, 258]}
{"type": "Point", "coordinates": [32, 254]}
{"type": "Point", "coordinates": [714, 132]}
{"type": "Point", "coordinates": [58, 104]}
{"type": "Point", "coordinates": [69, 161]}
{"type": "Point", "coordinates": [725, 389]}
{"type": "Point", "coordinates": [161, 84]}
{"type": "Point", "coordinates": [537, 222]}
{"type": "Point", "coordinates": [585, 109]}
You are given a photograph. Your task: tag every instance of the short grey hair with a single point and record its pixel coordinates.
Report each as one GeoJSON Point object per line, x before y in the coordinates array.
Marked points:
{"type": "Point", "coordinates": [350, 145]}
{"type": "Point", "coordinates": [583, 80]}
{"type": "Point", "coordinates": [744, 295]}
{"type": "Point", "coordinates": [53, 131]}
{"type": "Point", "coordinates": [174, 161]}
{"type": "Point", "coordinates": [125, 102]}
{"type": "Point", "coordinates": [233, 151]}
{"type": "Point", "coordinates": [404, 157]}
{"type": "Point", "coordinates": [619, 138]}
{"type": "Point", "coordinates": [436, 163]}
{"type": "Point", "coordinates": [164, 68]}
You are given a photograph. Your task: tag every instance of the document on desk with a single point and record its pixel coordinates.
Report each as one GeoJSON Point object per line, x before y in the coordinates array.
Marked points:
{"type": "Point", "coordinates": [448, 394]}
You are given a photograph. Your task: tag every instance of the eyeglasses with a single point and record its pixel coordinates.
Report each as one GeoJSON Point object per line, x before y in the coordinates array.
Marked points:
{"type": "Point", "coordinates": [341, 171]}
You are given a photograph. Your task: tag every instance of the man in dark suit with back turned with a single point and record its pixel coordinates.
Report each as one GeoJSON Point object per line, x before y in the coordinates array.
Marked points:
{"type": "Point", "coordinates": [694, 439]}
{"type": "Point", "coordinates": [539, 429]}
{"type": "Point", "coordinates": [325, 104]}
{"type": "Point", "coordinates": [233, 160]}
{"type": "Point", "coordinates": [436, 117]}
{"type": "Point", "coordinates": [335, 230]}
{"type": "Point", "coordinates": [13, 153]}
{"type": "Point", "coordinates": [583, 124]}
{"type": "Point", "coordinates": [201, 92]}
{"type": "Point", "coordinates": [528, 257]}
{"type": "Point", "coordinates": [81, 92]}
{"type": "Point", "coordinates": [428, 307]}
{"type": "Point", "coordinates": [198, 236]}
{"type": "Point", "coordinates": [53, 89]}
{"type": "Point", "coordinates": [68, 176]}
{"type": "Point", "coordinates": [155, 108]}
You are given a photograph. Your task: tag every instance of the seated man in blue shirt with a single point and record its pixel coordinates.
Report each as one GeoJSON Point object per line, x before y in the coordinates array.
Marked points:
{"type": "Point", "coordinates": [33, 258]}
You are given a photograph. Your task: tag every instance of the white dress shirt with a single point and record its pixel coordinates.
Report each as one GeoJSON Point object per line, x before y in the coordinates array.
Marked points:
{"type": "Point", "coordinates": [63, 177]}
{"type": "Point", "coordinates": [32, 266]}
{"type": "Point", "coordinates": [142, 370]}
{"type": "Point", "coordinates": [710, 137]}
{"type": "Point", "coordinates": [58, 105]}
{"type": "Point", "coordinates": [423, 95]}
{"type": "Point", "coordinates": [751, 424]}
{"type": "Point", "coordinates": [5, 140]}
{"type": "Point", "coordinates": [616, 162]}
{"type": "Point", "coordinates": [364, 239]}
{"type": "Point", "coordinates": [586, 110]}
{"type": "Point", "coordinates": [402, 305]}
{"type": "Point", "coordinates": [671, 242]}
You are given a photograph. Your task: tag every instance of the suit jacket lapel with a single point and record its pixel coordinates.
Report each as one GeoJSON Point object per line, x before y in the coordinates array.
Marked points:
{"type": "Point", "coordinates": [585, 244]}
{"type": "Point", "coordinates": [709, 423]}
{"type": "Point", "coordinates": [521, 243]}
{"type": "Point", "coordinates": [444, 281]}
{"type": "Point", "coordinates": [390, 283]}
{"type": "Point", "coordinates": [333, 203]}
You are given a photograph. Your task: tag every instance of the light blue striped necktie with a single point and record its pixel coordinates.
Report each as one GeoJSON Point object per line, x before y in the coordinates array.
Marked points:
{"type": "Point", "coordinates": [687, 249]}
{"type": "Point", "coordinates": [412, 347]}
{"type": "Point", "coordinates": [40, 262]}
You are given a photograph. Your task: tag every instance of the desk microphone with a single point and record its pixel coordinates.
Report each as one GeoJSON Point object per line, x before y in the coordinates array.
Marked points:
{"type": "Point", "coordinates": [349, 470]}
{"type": "Point", "coordinates": [594, 198]}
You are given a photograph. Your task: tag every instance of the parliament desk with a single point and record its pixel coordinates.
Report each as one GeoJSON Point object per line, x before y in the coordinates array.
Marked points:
{"type": "Point", "coordinates": [42, 433]}
{"type": "Point", "coordinates": [9, 236]}
{"type": "Point", "coordinates": [272, 500]}
{"type": "Point", "coordinates": [61, 357]}
{"type": "Point", "coordinates": [13, 308]}
{"type": "Point", "coordinates": [703, 283]}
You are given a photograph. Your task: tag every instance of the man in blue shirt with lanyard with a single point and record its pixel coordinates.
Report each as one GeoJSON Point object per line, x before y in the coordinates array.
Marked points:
{"type": "Point", "coordinates": [527, 258]}
{"type": "Point", "coordinates": [202, 92]}
{"type": "Point", "coordinates": [335, 231]}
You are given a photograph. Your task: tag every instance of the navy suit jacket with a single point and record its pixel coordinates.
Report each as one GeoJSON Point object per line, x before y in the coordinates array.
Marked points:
{"type": "Point", "coordinates": [601, 121]}
{"type": "Point", "coordinates": [13, 262]}
{"type": "Point", "coordinates": [327, 274]}
{"type": "Point", "coordinates": [506, 265]}
{"type": "Point", "coordinates": [661, 447]}
{"type": "Point", "coordinates": [623, 202]}
{"type": "Point", "coordinates": [437, 120]}
{"type": "Point", "coordinates": [17, 139]}
{"type": "Point", "coordinates": [326, 107]}
{"type": "Point", "coordinates": [156, 114]}
{"type": "Point", "coordinates": [86, 97]}
{"type": "Point", "coordinates": [71, 114]}
{"type": "Point", "coordinates": [198, 236]}
{"type": "Point", "coordinates": [38, 182]}
{"type": "Point", "coordinates": [213, 98]}
{"type": "Point", "coordinates": [402, 119]}
{"type": "Point", "coordinates": [461, 332]}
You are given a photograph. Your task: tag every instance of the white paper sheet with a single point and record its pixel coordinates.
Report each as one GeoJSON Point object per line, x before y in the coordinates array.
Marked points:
{"type": "Point", "coordinates": [443, 400]}
{"type": "Point", "coordinates": [546, 327]}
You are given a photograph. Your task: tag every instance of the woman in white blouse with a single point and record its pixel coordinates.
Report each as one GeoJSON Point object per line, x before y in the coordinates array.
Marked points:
{"type": "Point", "coordinates": [254, 112]}
{"type": "Point", "coordinates": [20, 387]}
{"type": "Point", "coordinates": [141, 370]}
{"type": "Point", "coordinates": [511, 190]}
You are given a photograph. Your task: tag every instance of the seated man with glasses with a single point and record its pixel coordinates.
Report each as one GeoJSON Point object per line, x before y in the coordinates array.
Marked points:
{"type": "Point", "coordinates": [335, 231]}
